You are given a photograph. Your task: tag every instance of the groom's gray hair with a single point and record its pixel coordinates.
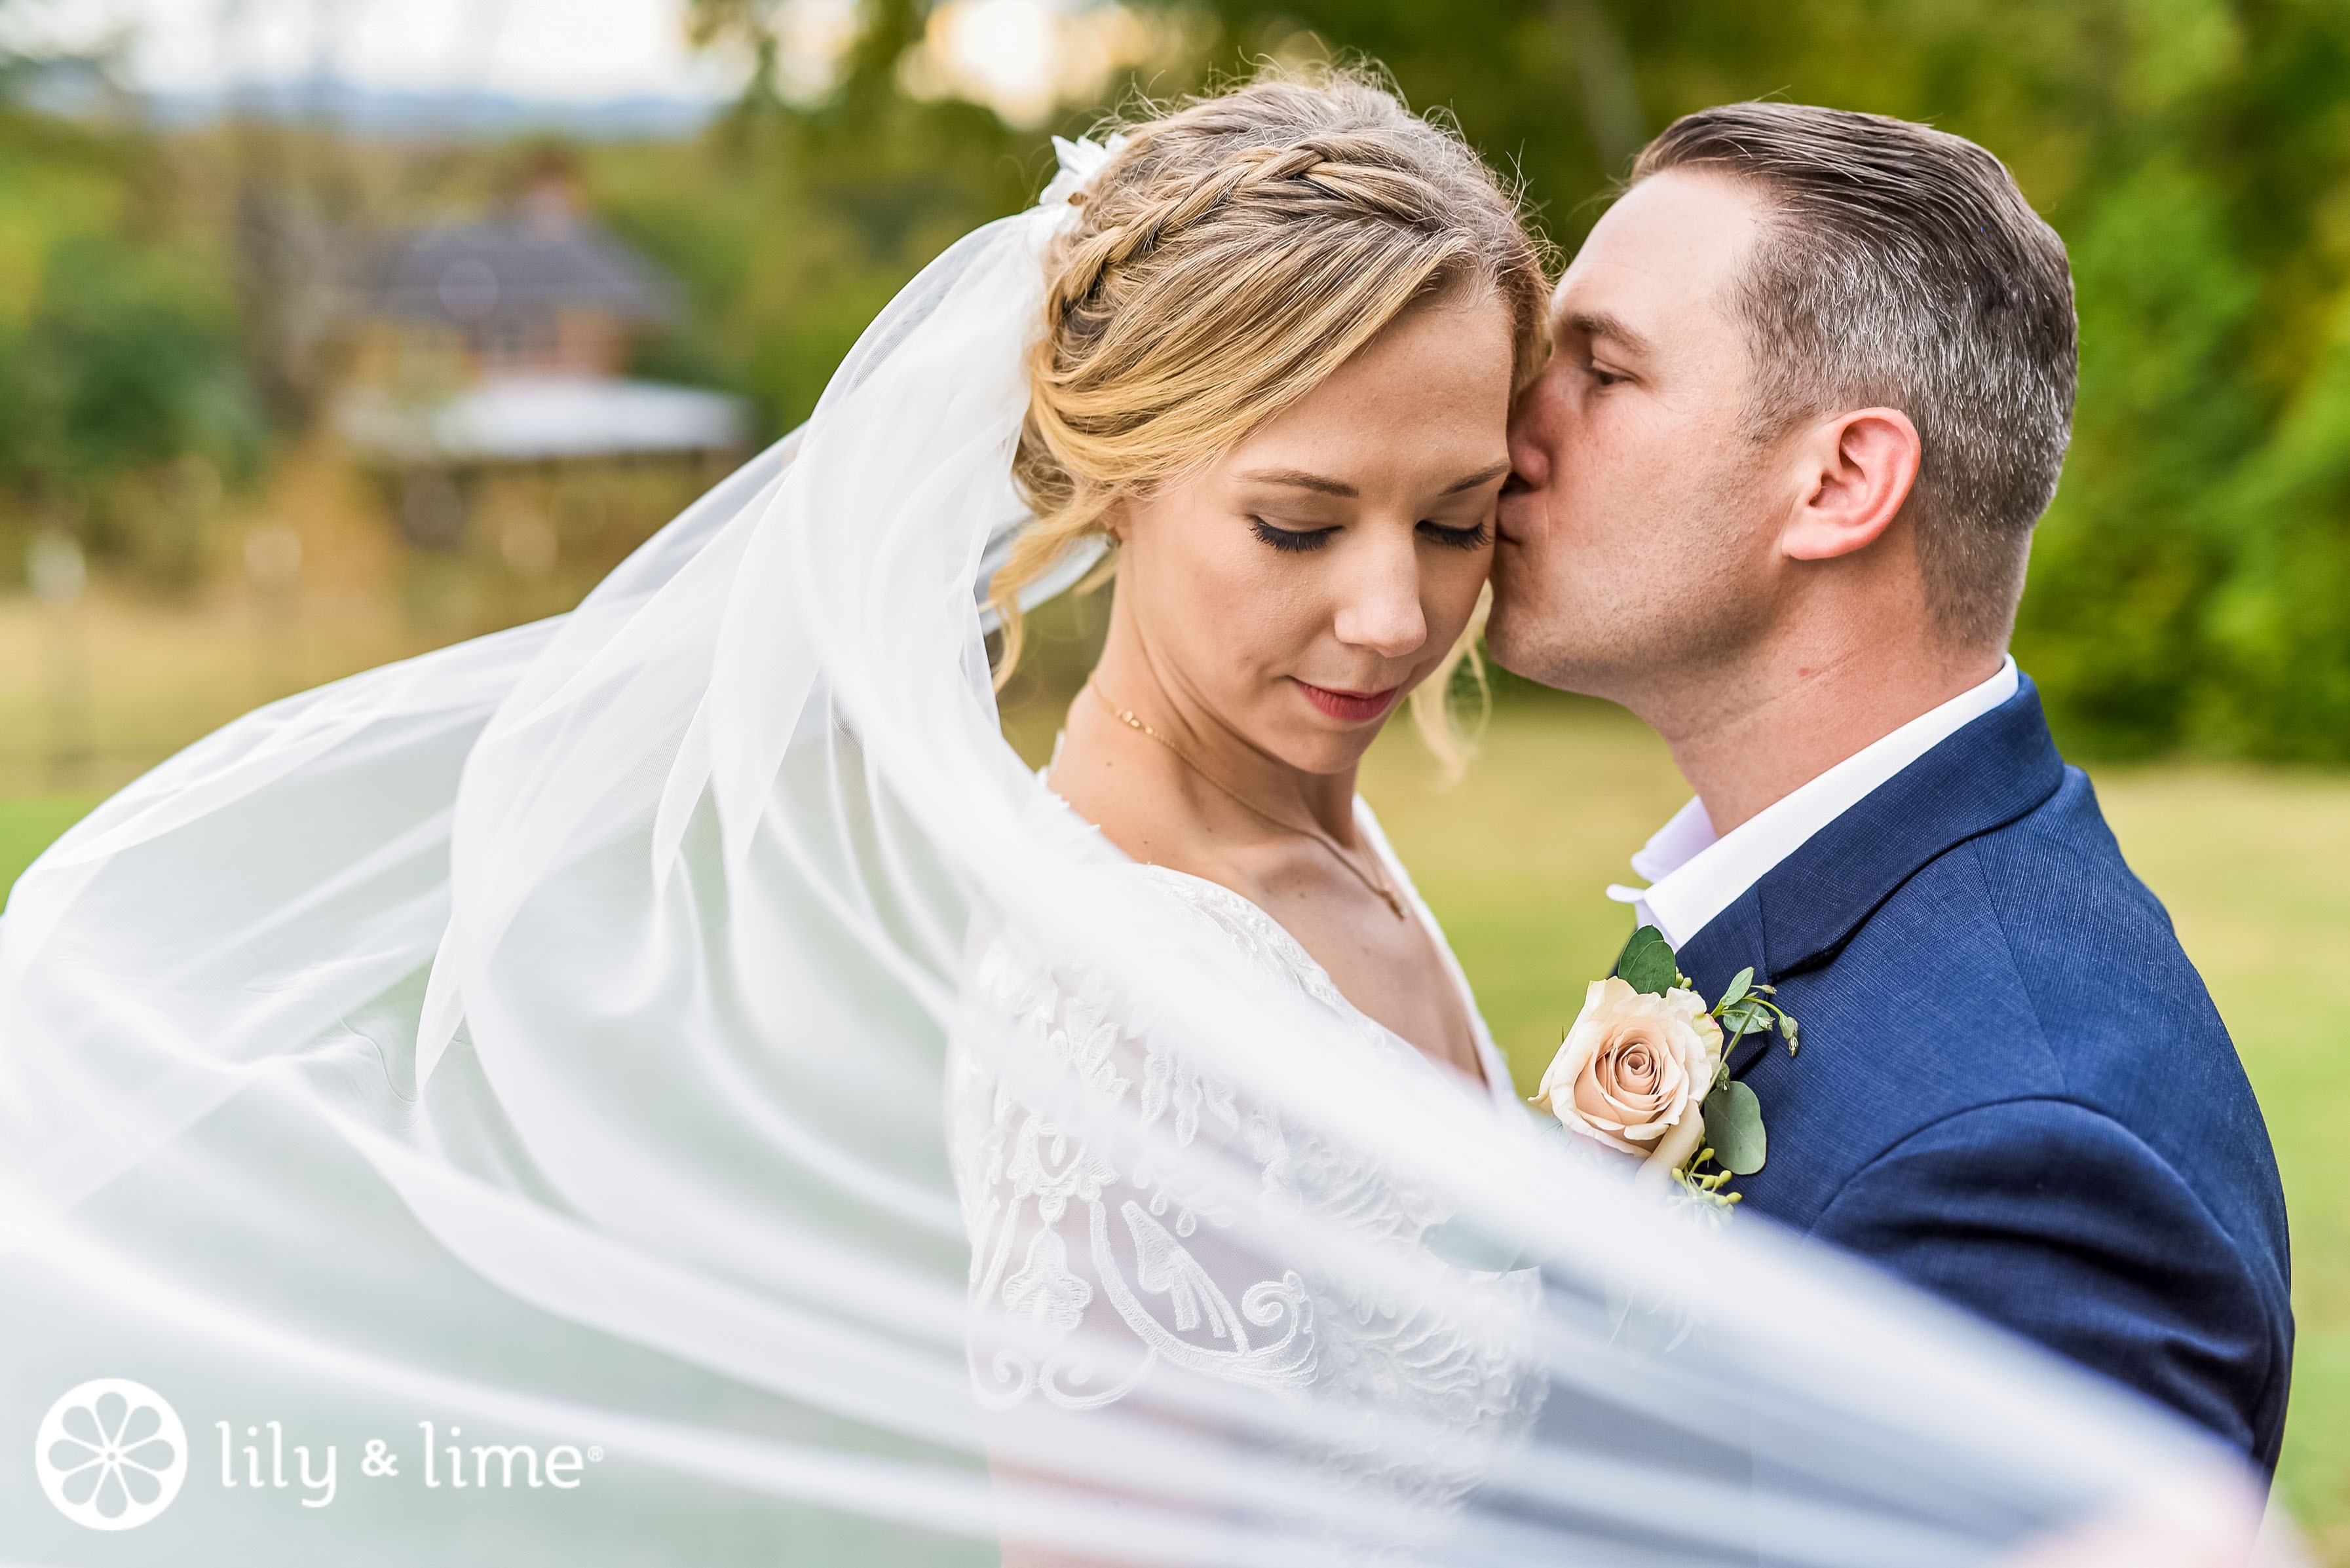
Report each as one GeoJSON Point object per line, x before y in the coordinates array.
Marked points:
{"type": "Point", "coordinates": [1901, 268]}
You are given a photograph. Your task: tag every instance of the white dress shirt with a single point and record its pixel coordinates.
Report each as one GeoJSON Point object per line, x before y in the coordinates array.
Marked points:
{"type": "Point", "coordinates": [1693, 874]}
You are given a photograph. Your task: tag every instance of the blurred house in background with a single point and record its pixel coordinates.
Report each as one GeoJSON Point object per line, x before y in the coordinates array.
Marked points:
{"type": "Point", "coordinates": [485, 352]}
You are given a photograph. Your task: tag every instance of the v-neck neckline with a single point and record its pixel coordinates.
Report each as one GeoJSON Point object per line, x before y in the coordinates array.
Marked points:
{"type": "Point", "coordinates": [1493, 1078]}
{"type": "Point", "coordinates": [1493, 1067]}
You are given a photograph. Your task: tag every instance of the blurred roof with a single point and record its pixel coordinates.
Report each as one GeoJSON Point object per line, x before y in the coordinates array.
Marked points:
{"type": "Point", "coordinates": [537, 259]}
{"type": "Point", "coordinates": [433, 114]}
{"type": "Point", "coordinates": [527, 419]}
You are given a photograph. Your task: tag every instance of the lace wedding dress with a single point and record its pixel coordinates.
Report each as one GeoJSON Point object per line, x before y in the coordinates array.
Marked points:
{"type": "Point", "coordinates": [1093, 1272]}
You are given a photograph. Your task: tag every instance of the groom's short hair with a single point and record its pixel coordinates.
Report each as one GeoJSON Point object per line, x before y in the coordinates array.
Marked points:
{"type": "Point", "coordinates": [1901, 268]}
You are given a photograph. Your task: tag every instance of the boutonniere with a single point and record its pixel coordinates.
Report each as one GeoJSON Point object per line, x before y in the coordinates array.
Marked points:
{"type": "Point", "coordinates": [1644, 1072]}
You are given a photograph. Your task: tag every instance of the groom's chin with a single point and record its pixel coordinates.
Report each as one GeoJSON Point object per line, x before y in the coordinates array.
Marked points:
{"type": "Point", "coordinates": [1542, 648]}
{"type": "Point", "coordinates": [1524, 629]}
{"type": "Point", "coordinates": [1514, 639]}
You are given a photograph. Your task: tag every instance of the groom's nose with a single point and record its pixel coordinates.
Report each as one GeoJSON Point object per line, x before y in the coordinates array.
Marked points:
{"type": "Point", "coordinates": [1529, 441]}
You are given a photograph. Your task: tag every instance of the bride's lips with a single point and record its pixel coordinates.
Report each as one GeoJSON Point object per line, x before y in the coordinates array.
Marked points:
{"type": "Point", "coordinates": [1350, 707]}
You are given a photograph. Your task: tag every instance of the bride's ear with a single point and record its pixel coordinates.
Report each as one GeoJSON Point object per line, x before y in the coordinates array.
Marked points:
{"type": "Point", "coordinates": [1117, 519]}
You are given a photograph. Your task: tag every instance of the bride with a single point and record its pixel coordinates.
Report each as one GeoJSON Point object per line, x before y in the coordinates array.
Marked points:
{"type": "Point", "coordinates": [677, 1052]}
{"type": "Point", "coordinates": [1298, 547]}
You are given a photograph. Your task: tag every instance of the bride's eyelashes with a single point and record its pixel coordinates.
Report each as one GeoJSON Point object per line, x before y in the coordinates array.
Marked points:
{"type": "Point", "coordinates": [1470, 538]}
{"type": "Point", "coordinates": [1291, 540]}
{"type": "Point", "coordinates": [1298, 540]}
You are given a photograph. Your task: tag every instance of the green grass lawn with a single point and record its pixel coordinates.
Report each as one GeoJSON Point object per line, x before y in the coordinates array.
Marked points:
{"type": "Point", "coordinates": [28, 827]}
{"type": "Point", "coordinates": [2255, 866]}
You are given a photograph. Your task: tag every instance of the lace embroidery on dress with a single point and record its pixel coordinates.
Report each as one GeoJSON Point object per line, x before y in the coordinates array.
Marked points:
{"type": "Point", "coordinates": [1090, 1274]}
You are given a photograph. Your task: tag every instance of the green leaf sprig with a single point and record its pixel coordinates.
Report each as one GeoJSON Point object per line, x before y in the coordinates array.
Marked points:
{"type": "Point", "coordinates": [1746, 1008]}
{"type": "Point", "coordinates": [1734, 1114]}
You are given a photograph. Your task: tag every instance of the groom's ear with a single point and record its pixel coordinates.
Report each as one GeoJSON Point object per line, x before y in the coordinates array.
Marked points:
{"type": "Point", "coordinates": [1852, 474]}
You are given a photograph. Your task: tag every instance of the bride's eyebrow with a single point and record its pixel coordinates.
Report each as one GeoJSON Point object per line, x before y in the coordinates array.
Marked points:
{"type": "Point", "coordinates": [1483, 476]}
{"type": "Point", "coordinates": [1302, 480]}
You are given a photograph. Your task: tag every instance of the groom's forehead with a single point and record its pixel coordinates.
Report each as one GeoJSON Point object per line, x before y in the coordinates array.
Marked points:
{"type": "Point", "coordinates": [1672, 245]}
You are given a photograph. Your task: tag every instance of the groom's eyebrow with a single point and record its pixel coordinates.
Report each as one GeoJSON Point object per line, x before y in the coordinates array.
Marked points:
{"type": "Point", "coordinates": [1599, 324]}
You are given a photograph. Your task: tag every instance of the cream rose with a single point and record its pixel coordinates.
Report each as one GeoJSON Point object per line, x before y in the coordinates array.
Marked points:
{"type": "Point", "coordinates": [1633, 1071]}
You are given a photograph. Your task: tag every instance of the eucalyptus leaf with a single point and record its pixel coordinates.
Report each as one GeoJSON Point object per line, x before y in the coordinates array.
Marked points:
{"type": "Point", "coordinates": [1738, 984]}
{"type": "Point", "coordinates": [1646, 964]}
{"type": "Point", "coordinates": [1733, 1128]}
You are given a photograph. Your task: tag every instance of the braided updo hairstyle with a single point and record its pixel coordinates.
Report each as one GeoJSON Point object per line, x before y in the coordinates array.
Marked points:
{"type": "Point", "coordinates": [1230, 257]}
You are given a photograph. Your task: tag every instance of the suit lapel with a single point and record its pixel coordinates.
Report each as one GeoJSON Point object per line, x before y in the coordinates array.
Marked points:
{"type": "Point", "coordinates": [1803, 910]}
{"type": "Point", "coordinates": [1730, 941]}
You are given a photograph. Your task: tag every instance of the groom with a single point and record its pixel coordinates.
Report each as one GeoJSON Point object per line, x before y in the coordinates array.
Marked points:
{"type": "Point", "coordinates": [1812, 384]}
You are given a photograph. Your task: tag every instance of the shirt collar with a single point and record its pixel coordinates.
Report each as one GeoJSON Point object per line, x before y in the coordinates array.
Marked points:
{"type": "Point", "coordinates": [1693, 874]}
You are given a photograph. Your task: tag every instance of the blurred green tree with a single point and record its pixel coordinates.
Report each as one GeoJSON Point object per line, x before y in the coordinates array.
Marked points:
{"type": "Point", "coordinates": [805, 215]}
{"type": "Point", "coordinates": [123, 408]}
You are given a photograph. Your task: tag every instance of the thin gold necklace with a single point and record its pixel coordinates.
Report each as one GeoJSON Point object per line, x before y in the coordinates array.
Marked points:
{"type": "Point", "coordinates": [1377, 884]}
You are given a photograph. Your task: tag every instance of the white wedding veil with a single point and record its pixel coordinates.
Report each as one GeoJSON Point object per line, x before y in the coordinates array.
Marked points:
{"type": "Point", "coordinates": [539, 1046]}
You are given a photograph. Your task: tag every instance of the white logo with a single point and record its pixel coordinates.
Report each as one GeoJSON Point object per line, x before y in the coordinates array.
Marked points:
{"type": "Point", "coordinates": [111, 1454]}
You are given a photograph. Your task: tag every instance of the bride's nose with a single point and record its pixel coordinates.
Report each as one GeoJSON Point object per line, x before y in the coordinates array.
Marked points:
{"type": "Point", "coordinates": [1379, 603]}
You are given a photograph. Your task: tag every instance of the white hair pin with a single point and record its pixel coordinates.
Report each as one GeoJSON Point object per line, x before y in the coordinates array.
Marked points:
{"type": "Point", "coordinates": [1080, 161]}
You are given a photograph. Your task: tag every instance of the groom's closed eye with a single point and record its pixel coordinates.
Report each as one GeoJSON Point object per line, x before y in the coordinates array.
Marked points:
{"type": "Point", "coordinates": [1601, 346]}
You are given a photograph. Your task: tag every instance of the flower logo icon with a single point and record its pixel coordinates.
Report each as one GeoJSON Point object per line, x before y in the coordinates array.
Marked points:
{"type": "Point", "coordinates": [111, 1454]}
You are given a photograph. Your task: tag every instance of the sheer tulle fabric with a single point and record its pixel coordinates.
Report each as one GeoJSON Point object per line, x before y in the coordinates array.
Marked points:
{"type": "Point", "coordinates": [548, 1040]}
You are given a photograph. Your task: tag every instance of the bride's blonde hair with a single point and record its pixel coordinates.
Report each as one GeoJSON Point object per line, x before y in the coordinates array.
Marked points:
{"type": "Point", "coordinates": [1230, 257]}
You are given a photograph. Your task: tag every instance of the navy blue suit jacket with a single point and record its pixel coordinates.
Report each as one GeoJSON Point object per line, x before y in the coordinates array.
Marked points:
{"type": "Point", "coordinates": [2012, 1088]}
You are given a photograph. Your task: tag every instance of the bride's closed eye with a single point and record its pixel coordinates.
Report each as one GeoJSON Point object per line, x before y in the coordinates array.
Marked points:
{"type": "Point", "coordinates": [1472, 538]}
{"type": "Point", "coordinates": [1291, 540]}
{"type": "Point", "coordinates": [1298, 540]}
